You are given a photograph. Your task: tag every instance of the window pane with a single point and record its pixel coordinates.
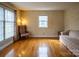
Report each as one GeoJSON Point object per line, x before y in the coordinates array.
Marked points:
{"type": "Point", "coordinates": [9, 30]}
{"type": "Point", "coordinates": [1, 23]}
{"type": "Point", "coordinates": [9, 24]}
{"type": "Point", "coordinates": [43, 24]}
{"type": "Point", "coordinates": [9, 15]}
{"type": "Point", "coordinates": [1, 31]}
{"type": "Point", "coordinates": [43, 18]}
{"type": "Point", "coordinates": [43, 21]}
{"type": "Point", "coordinates": [1, 14]}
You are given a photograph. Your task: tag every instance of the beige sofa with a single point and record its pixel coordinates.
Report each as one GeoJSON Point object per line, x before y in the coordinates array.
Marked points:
{"type": "Point", "coordinates": [71, 40]}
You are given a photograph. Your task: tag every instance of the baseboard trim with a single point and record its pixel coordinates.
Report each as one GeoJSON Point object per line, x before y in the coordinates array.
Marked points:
{"type": "Point", "coordinates": [44, 37]}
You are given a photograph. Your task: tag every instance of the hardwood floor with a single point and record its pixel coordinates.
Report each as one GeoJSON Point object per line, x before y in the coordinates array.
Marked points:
{"type": "Point", "coordinates": [36, 48]}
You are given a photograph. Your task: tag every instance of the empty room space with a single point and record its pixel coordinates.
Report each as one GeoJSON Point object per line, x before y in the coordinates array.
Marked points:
{"type": "Point", "coordinates": [39, 29]}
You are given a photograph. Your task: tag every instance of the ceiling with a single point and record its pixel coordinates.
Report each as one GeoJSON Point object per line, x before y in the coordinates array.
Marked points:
{"type": "Point", "coordinates": [44, 5]}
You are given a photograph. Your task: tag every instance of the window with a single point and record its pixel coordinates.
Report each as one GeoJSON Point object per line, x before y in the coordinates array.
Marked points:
{"type": "Point", "coordinates": [43, 21]}
{"type": "Point", "coordinates": [1, 24]}
{"type": "Point", "coordinates": [9, 24]}
{"type": "Point", "coordinates": [6, 23]}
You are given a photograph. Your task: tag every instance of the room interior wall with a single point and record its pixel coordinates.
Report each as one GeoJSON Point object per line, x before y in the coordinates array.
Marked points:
{"type": "Point", "coordinates": [55, 22]}
{"type": "Point", "coordinates": [18, 18]}
{"type": "Point", "coordinates": [71, 19]}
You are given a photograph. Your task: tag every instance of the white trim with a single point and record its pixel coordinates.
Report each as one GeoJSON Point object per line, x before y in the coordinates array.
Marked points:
{"type": "Point", "coordinates": [5, 45]}
{"type": "Point", "coordinates": [44, 36]}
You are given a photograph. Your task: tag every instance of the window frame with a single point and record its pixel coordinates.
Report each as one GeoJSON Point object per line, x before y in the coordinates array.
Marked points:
{"type": "Point", "coordinates": [3, 24]}
{"type": "Point", "coordinates": [8, 22]}
{"type": "Point", "coordinates": [7, 8]}
{"type": "Point", "coordinates": [45, 25]}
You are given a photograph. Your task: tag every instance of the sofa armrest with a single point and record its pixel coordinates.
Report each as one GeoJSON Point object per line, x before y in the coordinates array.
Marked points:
{"type": "Point", "coordinates": [65, 32]}
{"type": "Point", "coordinates": [62, 33]}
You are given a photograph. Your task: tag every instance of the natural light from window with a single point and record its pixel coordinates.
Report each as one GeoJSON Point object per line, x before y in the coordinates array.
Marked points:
{"type": "Point", "coordinates": [1, 24]}
{"type": "Point", "coordinates": [43, 51]}
{"type": "Point", "coordinates": [6, 23]}
{"type": "Point", "coordinates": [43, 21]}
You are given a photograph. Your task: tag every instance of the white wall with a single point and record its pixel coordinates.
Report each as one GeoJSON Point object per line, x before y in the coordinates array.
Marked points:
{"type": "Point", "coordinates": [55, 22]}
{"type": "Point", "coordinates": [72, 18]}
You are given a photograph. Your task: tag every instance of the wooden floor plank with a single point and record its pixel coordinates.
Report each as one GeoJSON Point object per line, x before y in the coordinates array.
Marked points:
{"type": "Point", "coordinates": [36, 48]}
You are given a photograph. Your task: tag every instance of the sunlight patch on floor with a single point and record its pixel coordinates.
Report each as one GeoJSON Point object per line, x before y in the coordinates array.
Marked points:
{"type": "Point", "coordinates": [43, 51]}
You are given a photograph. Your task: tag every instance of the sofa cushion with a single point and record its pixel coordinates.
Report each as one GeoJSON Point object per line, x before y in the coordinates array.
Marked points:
{"type": "Point", "coordinates": [74, 34]}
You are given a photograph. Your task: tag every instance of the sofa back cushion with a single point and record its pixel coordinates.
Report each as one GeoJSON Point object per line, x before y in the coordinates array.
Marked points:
{"type": "Point", "coordinates": [74, 34]}
{"type": "Point", "coordinates": [66, 32]}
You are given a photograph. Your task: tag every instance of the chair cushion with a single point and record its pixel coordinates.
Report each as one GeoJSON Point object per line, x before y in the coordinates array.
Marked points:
{"type": "Point", "coordinates": [25, 34]}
